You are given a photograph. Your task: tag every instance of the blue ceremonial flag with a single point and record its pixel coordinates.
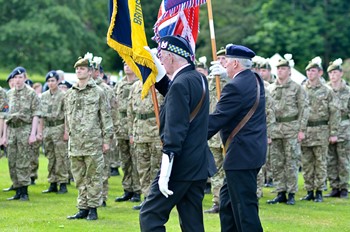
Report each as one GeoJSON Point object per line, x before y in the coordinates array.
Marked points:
{"type": "Point", "coordinates": [126, 35]}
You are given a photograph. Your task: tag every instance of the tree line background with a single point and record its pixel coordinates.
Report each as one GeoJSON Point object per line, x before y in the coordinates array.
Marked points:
{"type": "Point", "coordinates": [42, 35]}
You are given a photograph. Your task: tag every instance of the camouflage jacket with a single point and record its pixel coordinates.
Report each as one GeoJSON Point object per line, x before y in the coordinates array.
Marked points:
{"type": "Point", "coordinates": [291, 109]}
{"type": "Point", "coordinates": [343, 96]}
{"type": "Point", "coordinates": [52, 105]}
{"type": "Point", "coordinates": [323, 115]}
{"type": "Point", "coordinates": [270, 109]}
{"type": "Point", "coordinates": [88, 119]}
{"type": "Point", "coordinates": [3, 103]}
{"type": "Point", "coordinates": [108, 91]}
{"type": "Point", "coordinates": [23, 105]}
{"type": "Point", "coordinates": [122, 91]}
{"type": "Point", "coordinates": [141, 116]}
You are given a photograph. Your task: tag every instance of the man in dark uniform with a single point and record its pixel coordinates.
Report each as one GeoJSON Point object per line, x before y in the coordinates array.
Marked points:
{"type": "Point", "coordinates": [246, 152]}
{"type": "Point", "coordinates": [184, 167]}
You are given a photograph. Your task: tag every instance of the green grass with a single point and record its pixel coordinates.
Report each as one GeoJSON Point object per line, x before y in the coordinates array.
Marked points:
{"type": "Point", "coordinates": [47, 212]}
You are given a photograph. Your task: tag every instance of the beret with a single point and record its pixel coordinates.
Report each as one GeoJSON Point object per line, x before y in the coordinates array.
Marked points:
{"type": "Point", "coordinates": [10, 76]}
{"type": "Point", "coordinates": [18, 70]}
{"type": "Point", "coordinates": [239, 51]}
{"type": "Point", "coordinates": [177, 45]}
{"type": "Point", "coordinates": [82, 62]}
{"type": "Point", "coordinates": [66, 83]}
{"type": "Point", "coordinates": [221, 52]}
{"type": "Point", "coordinates": [335, 65]}
{"type": "Point", "coordinates": [29, 82]}
{"type": "Point", "coordinates": [315, 63]}
{"type": "Point", "coordinates": [51, 74]}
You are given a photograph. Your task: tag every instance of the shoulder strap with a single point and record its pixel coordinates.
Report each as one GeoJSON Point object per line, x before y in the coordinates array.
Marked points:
{"type": "Point", "coordinates": [198, 107]}
{"type": "Point", "coordinates": [246, 117]}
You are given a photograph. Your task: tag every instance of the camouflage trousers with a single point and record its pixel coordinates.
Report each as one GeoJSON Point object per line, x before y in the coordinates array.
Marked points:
{"type": "Point", "coordinates": [314, 165]}
{"type": "Point", "coordinates": [260, 183]}
{"type": "Point", "coordinates": [34, 162]}
{"type": "Point", "coordinates": [267, 167]}
{"type": "Point", "coordinates": [218, 179]}
{"type": "Point", "coordinates": [148, 163]}
{"type": "Point", "coordinates": [114, 157]}
{"type": "Point", "coordinates": [106, 174]}
{"type": "Point", "coordinates": [131, 180]}
{"type": "Point", "coordinates": [19, 155]}
{"type": "Point", "coordinates": [68, 164]}
{"type": "Point", "coordinates": [338, 165]}
{"type": "Point", "coordinates": [285, 155]}
{"type": "Point", "coordinates": [56, 153]}
{"type": "Point", "coordinates": [87, 173]}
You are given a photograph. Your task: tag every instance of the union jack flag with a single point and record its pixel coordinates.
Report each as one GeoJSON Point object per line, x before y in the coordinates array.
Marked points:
{"type": "Point", "coordinates": [178, 17]}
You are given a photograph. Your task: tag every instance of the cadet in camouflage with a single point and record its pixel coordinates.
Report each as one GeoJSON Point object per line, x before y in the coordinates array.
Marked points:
{"type": "Point", "coordinates": [90, 130]}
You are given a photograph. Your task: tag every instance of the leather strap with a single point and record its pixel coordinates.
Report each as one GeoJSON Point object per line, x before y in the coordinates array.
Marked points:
{"type": "Point", "coordinates": [247, 117]}
{"type": "Point", "coordinates": [198, 107]}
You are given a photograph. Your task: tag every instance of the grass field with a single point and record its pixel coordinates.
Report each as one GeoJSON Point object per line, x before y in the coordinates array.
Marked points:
{"type": "Point", "coordinates": [47, 212]}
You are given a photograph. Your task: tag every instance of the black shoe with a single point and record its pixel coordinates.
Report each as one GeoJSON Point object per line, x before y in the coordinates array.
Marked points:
{"type": "Point", "coordinates": [344, 194]}
{"type": "Point", "coordinates": [92, 214]}
{"type": "Point", "coordinates": [335, 193]}
{"type": "Point", "coordinates": [135, 198]}
{"type": "Point", "coordinates": [291, 200]}
{"type": "Point", "coordinates": [213, 209]}
{"type": "Point", "coordinates": [318, 196]}
{"type": "Point", "coordinates": [309, 196]}
{"type": "Point", "coordinates": [24, 194]}
{"type": "Point", "coordinates": [126, 196]}
{"type": "Point", "coordinates": [8, 189]}
{"type": "Point", "coordinates": [16, 196]}
{"type": "Point", "coordinates": [104, 204]}
{"type": "Point", "coordinates": [115, 172]}
{"type": "Point", "coordinates": [280, 198]}
{"type": "Point", "coordinates": [207, 189]}
{"type": "Point", "coordinates": [32, 180]}
{"type": "Point", "coordinates": [83, 213]}
{"type": "Point", "coordinates": [138, 207]}
{"type": "Point", "coordinates": [63, 188]}
{"type": "Point", "coordinates": [269, 183]}
{"type": "Point", "coordinates": [51, 189]}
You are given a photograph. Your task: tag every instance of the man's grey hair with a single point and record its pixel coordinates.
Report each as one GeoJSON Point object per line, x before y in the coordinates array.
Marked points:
{"type": "Point", "coordinates": [246, 63]}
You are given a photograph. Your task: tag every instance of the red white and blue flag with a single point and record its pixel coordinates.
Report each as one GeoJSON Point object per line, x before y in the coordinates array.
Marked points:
{"type": "Point", "coordinates": [178, 17]}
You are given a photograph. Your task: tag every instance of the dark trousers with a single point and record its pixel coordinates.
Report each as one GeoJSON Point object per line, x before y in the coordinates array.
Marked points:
{"type": "Point", "coordinates": [187, 197]}
{"type": "Point", "coordinates": [239, 203]}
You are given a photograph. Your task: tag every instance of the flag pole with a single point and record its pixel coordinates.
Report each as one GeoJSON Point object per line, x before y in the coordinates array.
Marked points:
{"type": "Point", "coordinates": [155, 104]}
{"type": "Point", "coordinates": [213, 45]}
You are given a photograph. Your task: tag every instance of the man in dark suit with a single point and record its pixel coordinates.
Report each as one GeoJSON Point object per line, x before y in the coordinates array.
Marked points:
{"type": "Point", "coordinates": [184, 167]}
{"type": "Point", "coordinates": [246, 152]}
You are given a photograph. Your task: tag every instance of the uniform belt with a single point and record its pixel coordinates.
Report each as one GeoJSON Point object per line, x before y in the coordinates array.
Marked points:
{"type": "Point", "coordinates": [317, 123]}
{"type": "Point", "coordinates": [123, 114]}
{"type": "Point", "coordinates": [54, 123]}
{"type": "Point", "coordinates": [18, 124]}
{"type": "Point", "coordinates": [145, 116]}
{"type": "Point", "coordinates": [344, 117]}
{"type": "Point", "coordinates": [287, 119]}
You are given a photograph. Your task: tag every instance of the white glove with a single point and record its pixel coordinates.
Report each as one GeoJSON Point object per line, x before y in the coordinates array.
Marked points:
{"type": "Point", "coordinates": [165, 171]}
{"type": "Point", "coordinates": [217, 69]}
{"type": "Point", "coordinates": [160, 67]}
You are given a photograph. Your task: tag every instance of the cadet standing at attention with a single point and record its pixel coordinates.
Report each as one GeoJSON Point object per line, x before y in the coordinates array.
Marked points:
{"type": "Point", "coordinates": [90, 130]}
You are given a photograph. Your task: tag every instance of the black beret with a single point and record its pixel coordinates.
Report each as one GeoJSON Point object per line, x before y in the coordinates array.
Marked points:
{"type": "Point", "coordinates": [29, 82]}
{"type": "Point", "coordinates": [239, 51]}
{"type": "Point", "coordinates": [18, 70]}
{"type": "Point", "coordinates": [10, 76]}
{"type": "Point", "coordinates": [66, 83]}
{"type": "Point", "coordinates": [101, 69]}
{"type": "Point", "coordinates": [177, 45]}
{"type": "Point", "coordinates": [51, 74]}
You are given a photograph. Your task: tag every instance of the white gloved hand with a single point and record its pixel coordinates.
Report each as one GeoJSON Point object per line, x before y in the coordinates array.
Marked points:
{"type": "Point", "coordinates": [165, 171]}
{"type": "Point", "coordinates": [217, 69]}
{"type": "Point", "coordinates": [160, 67]}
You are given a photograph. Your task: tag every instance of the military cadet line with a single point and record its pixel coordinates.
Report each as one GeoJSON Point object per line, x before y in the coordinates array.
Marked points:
{"type": "Point", "coordinates": [92, 128]}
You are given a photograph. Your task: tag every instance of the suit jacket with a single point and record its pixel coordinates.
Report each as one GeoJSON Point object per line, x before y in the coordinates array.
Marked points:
{"type": "Point", "coordinates": [186, 140]}
{"type": "Point", "coordinates": [247, 150]}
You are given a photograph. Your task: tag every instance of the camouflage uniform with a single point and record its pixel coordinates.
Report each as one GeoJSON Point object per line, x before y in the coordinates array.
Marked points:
{"type": "Point", "coordinates": [23, 106]}
{"type": "Point", "coordinates": [107, 156]}
{"type": "Point", "coordinates": [216, 147]}
{"type": "Point", "coordinates": [142, 121]}
{"type": "Point", "coordinates": [270, 120]}
{"type": "Point", "coordinates": [52, 108]}
{"type": "Point", "coordinates": [339, 153]}
{"type": "Point", "coordinates": [291, 111]}
{"type": "Point", "coordinates": [3, 111]}
{"type": "Point", "coordinates": [322, 123]}
{"type": "Point", "coordinates": [89, 127]}
{"type": "Point", "coordinates": [131, 181]}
